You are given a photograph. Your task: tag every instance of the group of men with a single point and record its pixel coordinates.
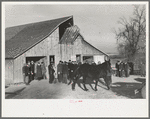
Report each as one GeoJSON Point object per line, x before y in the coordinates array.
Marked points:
{"type": "Point", "coordinates": [122, 69]}
{"type": "Point", "coordinates": [65, 70]}
{"type": "Point", "coordinates": [29, 70]}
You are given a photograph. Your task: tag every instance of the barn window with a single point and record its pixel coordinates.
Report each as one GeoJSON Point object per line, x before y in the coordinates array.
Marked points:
{"type": "Point", "coordinates": [78, 58]}
{"type": "Point", "coordinates": [52, 59]}
{"type": "Point", "coordinates": [89, 59]}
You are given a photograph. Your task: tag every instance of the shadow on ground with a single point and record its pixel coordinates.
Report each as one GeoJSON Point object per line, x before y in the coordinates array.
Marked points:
{"type": "Point", "coordinates": [142, 80]}
{"type": "Point", "coordinates": [89, 82]}
{"type": "Point", "coordinates": [126, 89]}
{"type": "Point", "coordinates": [9, 95]}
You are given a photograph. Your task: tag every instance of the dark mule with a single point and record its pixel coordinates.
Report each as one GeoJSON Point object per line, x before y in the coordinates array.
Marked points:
{"type": "Point", "coordinates": [95, 72]}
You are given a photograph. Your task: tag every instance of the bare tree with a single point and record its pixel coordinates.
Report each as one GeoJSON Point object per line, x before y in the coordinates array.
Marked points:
{"type": "Point", "coordinates": [131, 37]}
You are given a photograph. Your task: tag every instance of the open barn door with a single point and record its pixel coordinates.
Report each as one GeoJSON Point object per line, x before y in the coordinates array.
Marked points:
{"type": "Point", "coordinates": [37, 59]}
{"type": "Point", "coordinates": [88, 59]}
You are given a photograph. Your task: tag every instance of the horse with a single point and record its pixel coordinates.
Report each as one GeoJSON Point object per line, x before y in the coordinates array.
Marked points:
{"type": "Point", "coordinates": [95, 72]}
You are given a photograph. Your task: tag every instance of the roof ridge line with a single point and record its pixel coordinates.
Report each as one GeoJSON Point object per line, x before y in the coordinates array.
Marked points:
{"type": "Point", "coordinates": [43, 37]}
{"type": "Point", "coordinates": [38, 22]}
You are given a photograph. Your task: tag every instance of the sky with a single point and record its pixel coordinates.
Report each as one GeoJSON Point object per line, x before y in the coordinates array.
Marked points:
{"type": "Point", "coordinates": [95, 21]}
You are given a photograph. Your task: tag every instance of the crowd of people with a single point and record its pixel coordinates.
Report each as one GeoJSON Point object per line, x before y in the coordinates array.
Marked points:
{"type": "Point", "coordinates": [29, 71]}
{"type": "Point", "coordinates": [64, 71]}
{"type": "Point", "coordinates": [122, 69]}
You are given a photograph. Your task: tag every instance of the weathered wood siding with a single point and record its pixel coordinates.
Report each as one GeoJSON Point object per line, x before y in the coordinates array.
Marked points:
{"type": "Point", "coordinates": [8, 71]}
{"type": "Point", "coordinates": [88, 49]}
{"type": "Point", "coordinates": [68, 50]}
{"type": "Point", "coordinates": [47, 47]}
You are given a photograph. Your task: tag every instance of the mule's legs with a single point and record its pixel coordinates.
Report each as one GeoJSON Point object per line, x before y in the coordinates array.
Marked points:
{"type": "Point", "coordinates": [73, 85]}
{"type": "Point", "coordinates": [110, 80]}
{"type": "Point", "coordinates": [106, 81]}
{"type": "Point", "coordinates": [96, 85]}
{"type": "Point", "coordinates": [70, 80]}
{"type": "Point", "coordinates": [74, 82]}
{"type": "Point", "coordinates": [84, 80]}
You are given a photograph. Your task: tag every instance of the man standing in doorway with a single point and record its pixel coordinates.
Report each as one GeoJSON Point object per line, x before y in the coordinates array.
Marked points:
{"type": "Point", "coordinates": [32, 70]}
{"type": "Point", "coordinates": [43, 70]}
{"type": "Point", "coordinates": [51, 73]}
{"type": "Point", "coordinates": [39, 71]}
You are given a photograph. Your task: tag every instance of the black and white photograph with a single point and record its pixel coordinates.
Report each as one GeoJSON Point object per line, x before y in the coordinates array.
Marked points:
{"type": "Point", "coordinates": [75, 52]}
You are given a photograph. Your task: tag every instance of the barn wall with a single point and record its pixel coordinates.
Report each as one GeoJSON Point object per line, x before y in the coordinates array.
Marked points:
{"type": "Point", "coordinates": [18, 65]}
{"type": "Point", "coordinates": [69, 51]}
{"type": "Point", "coordinates": [47, 47]}
{"type": "Point", "coordinates": [8, 71]}
{"type": "Point", "coordinates": [79, 47]}
{"type": "Point", "coordinates": [87, 49]}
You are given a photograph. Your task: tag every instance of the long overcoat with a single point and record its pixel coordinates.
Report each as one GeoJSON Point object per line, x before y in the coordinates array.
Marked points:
{"type": "Point", "coordinates": [39, 71]}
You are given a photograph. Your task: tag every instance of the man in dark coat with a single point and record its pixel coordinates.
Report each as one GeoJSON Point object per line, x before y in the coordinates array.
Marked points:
{"type": "Point", "coordinates": [123, 69]}
{"type": "Point", "coordinates": [70, 70]}
{"type": "Point", "coordinates": [32, 70]}
{"type": "Point", "coordinates": [43, 67]}
{"type": "Point", "coordinates": [27, 70]}
{"type": "Point", "coordinates": [51, 73]}
{"type": "Point", "coordinates": [39, 71]}
{"type": "Point", "coordinates": [117, 68]}
{"type": "Point", "coordinates": [59, 71]}
{"type": "Point", "coordinates": [65, 72]}
{"type": "Point", "coordinates": [120, 69]}
{"type": "Point", "coordinates": [126, 69]}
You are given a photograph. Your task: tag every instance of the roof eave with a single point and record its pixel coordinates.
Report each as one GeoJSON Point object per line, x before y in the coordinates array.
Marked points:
{"type": "Point", "coordinates": [92, 45]}
{"type": "Point", "coordinates": [40, 40]}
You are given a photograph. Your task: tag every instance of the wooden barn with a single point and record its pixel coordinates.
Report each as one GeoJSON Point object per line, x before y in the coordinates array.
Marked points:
{"type": "Point", "coordinates": [48, 41]}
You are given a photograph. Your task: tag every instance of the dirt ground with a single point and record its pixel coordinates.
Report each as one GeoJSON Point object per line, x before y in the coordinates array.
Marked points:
{"type": "Point", "coordinates": [121, 88]}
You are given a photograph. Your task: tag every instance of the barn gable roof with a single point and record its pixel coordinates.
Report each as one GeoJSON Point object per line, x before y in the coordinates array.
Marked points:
{"type": "Point", "coordinates": [21, 38]}
{"type": "Point", "coordinates": [71, 34]}
{"type": "Point", "coordinates": [92, 45]}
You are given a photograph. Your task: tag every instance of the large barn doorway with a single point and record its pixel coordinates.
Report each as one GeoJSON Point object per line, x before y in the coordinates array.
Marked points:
{"type": "Point", "coordinates": [88, 59]}
{"type": "Point", "coordinates": [37, 59]}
